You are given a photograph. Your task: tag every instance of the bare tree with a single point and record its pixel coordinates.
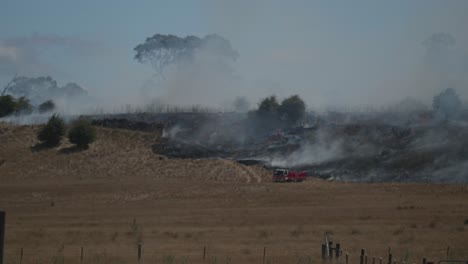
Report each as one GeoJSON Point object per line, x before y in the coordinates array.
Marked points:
{"type": "Point", "coordinates": [5, 89]}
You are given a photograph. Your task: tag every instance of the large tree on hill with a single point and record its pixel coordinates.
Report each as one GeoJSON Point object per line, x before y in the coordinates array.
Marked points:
{"type": "Point", "coordinates": [162, 51]}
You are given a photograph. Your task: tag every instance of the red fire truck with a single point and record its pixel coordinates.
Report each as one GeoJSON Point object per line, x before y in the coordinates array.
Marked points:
{"type": "Point", "coordinates": [284, 175]}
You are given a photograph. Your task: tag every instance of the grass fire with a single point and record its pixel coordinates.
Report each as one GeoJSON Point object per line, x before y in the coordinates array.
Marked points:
{"type": "Point", "coordinates": [233, 132]}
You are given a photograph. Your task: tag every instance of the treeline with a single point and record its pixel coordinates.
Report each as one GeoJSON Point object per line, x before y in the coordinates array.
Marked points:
{"type": "Point", "coordinates": [10, 105]}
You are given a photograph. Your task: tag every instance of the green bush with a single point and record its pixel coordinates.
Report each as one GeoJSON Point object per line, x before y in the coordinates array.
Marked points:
{"type": "Point", "coordinates": [268, 106]}
{"type": "Point", "coordinates": [292, 109]}
{"type": "Point", "coordinates": [51, 134]}
{"type": "Point", "coordinates": [7, 105]}
{"type": "Point", "coordinates": [82, 133]}
{"type": "Point", "coordinates": [46, 106]}
{"type": "Point", "coordinates": [23, 105]}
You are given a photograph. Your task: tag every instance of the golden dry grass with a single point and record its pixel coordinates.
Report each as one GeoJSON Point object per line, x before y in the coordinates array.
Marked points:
{"type": "Point", "coordinates": [117, 192]}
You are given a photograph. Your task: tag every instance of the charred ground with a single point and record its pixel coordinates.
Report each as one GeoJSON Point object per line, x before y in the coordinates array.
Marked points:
{"type": "Point", "coordinates": [366, 147]}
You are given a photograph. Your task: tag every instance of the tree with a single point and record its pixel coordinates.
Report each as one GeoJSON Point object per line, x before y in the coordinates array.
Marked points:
{"type": "Point", "coordinates": [268, 106]}
{"type": "Point", "coordinates": [51, 134]}
{"type": "Point", "coordinates": [447, 103]}
{"type": "Point", "coordinates": [46, 106]}
{"type": "Point", "coordinates": [82, 133]}
{"type": "Point", "coordinates": [162, 51]}
{"type": "Point", "coordinates": [7, 105]}
{"type": "Point", "coordinates": [292, 109]}
{"type": "Point", "coordinates": [42, 88]}
{"type": "Point", "coordinates": [23, 105]}
{"type": "Point", "coordinates": [5, 89]}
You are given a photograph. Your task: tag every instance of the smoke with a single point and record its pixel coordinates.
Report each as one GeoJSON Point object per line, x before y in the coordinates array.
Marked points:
{"type": "Point", "coordinates": [31, 55]}
{"type": "Point", "coordinates": [444, 65]}
{"type": "Point", "coordinates": [190, 70]}
{"type": "Point", "coordinates": [310, 153]}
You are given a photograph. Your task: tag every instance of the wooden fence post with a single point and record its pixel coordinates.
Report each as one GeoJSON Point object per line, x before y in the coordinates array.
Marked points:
{"type": "Point", "coordinates": [330, 249]}
{"type": "Point", "coordinates": [139, 250]}
{"type": "Point", "coordinates": [2, 235]}
{"type": "Point", "coordinates": [361, 257]}
{"type": "Point", "coordinates": [324, 251]}
{"type": "Point", "coordinates": [337, 250]}
{"type": "Point", "coordinates": [204, 253]}
{"type": "Point", "coordinates": [390, 258]}
{"type": "Point", "coordinates": [365, 259]}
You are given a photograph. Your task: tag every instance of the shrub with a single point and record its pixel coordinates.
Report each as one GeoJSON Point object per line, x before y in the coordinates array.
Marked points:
{"type": "Point", "coordinates": [82, 133]}
{"type": "Point", "coordinates": [46, 106]}
{"type": "Point", "coordinates": [10, 105]}
{"type": "Point", "coordinates": [23, 105]}
{"type": "Point", "coordinates": [7, 105]}
{"type": "Point", "coordinates": [51, 134]}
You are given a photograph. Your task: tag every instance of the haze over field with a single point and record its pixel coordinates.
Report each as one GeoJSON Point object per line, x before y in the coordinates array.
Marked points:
{"type": "Point", "coordinates": [333, 54]}
{"type": "Point", "coordinates": [233, 131]}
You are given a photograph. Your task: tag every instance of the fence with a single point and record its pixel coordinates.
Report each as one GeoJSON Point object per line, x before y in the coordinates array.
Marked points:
{"type": "Point", "coordinates": [330, 253]}
{"type": "Point", "coordinates": [138, 253]}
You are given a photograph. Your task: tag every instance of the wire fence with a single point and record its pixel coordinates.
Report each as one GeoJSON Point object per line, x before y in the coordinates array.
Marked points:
{"type": "Point", "coordinates": [334, 254]}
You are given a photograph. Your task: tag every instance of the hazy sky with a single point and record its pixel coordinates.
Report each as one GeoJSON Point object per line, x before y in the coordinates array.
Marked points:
{"type": "Point", "coordinates": [330, 52]}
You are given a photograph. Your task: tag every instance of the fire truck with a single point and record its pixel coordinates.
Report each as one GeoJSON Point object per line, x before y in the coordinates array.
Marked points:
{"type": "Point", "coordinates": [285, 175]}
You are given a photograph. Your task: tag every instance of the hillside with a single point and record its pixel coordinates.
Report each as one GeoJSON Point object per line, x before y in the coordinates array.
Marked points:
{"type": "Point", "coordinates": [119, 191]}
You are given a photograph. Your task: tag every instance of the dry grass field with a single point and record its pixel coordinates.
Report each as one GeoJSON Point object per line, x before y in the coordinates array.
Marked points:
{"type": "Point", "coordinates": [117, 192]}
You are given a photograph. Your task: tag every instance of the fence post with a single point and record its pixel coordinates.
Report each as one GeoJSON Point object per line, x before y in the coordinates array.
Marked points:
{"type": "Point", "coordinates": [2, 235]}
{"type": "Point", "coordinates": [81, 256]}
{"type": "Point", "coordinates": [324, 251]}
{"type": "Point", "coordinates": [361, 258]}
{"type": "Point", "coordinates": [337, 250]}
{"type": "Point", "coordinates": [347, 257]}
{"type": "Point", "coordinates": [380, 260]}
{"type": "Point", "coordinates": [330, 249]}
{"type": "Point", "coordinates": [204, 253]}
{"type": "Point", "coordinates": [390, 258]}
{"type": "Point", "coordinates": [139, 250]}
{"type": "Point", "coordinates": [264, 254]}
{"type": "Point", "coordinates": [424, 261]}
{"type": "Point", "coordinates": [373, 260]}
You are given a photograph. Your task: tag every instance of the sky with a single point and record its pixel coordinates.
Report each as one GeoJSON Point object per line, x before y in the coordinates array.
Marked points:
{"type": "Point", "coordinates": [331, 53]}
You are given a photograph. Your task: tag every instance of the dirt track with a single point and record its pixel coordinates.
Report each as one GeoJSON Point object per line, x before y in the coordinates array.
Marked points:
{"type": "Point", "coordinates": [118, 191]}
